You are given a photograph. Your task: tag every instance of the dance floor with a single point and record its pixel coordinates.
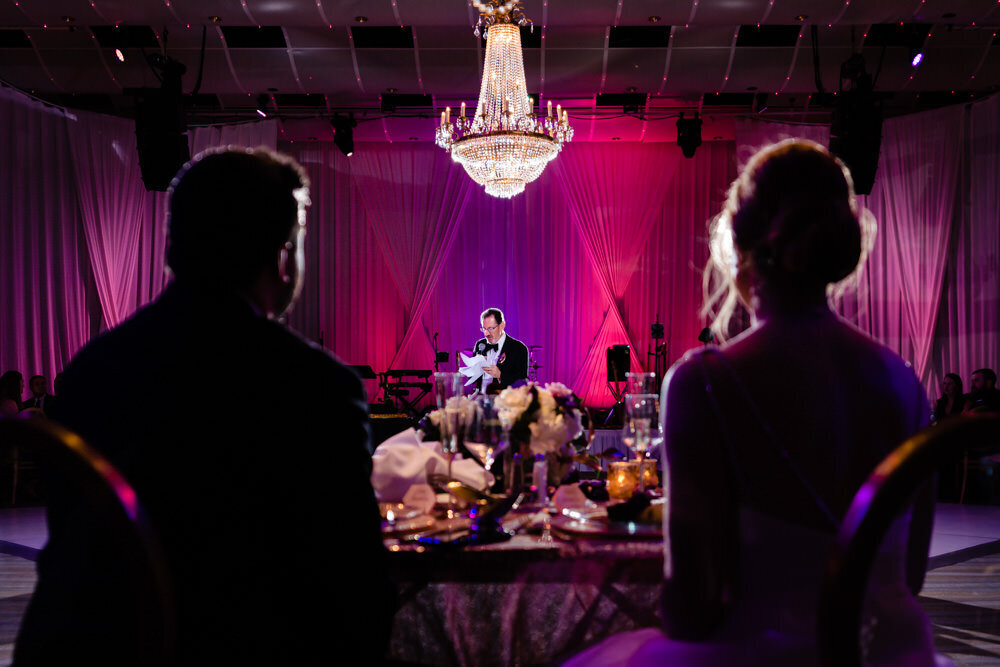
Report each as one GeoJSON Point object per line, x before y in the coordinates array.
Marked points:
{"type": "Point", "coordinates": [961, 593]}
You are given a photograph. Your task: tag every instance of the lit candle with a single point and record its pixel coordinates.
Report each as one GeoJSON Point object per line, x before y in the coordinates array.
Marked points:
{"type": "Point", "coordinates": [442, 119]}
{"type": "Point", "coordinates": [463, 110]}
{"type": "Point", "coordinates": [623, 478]}
{"type": "Point", "coordinates": [565, 116]}
{"type": "Point", "coordinates": [447, 114]}
{"type": "Point", "coordinates": [558, 111]}
{"type": "Point", "coordinates": [550, 109]}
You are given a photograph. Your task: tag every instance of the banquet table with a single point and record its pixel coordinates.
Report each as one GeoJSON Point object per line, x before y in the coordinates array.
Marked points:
{"type": "Point", "coordinates": [526, 601]}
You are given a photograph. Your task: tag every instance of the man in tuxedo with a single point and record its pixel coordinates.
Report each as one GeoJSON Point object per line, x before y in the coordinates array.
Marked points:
{"type": "Point", "coordinates": [512, 359]}
{"type": "Point", "coordinates": [39, 387]}
{"type": "Point", "coordinates": [260, 495]}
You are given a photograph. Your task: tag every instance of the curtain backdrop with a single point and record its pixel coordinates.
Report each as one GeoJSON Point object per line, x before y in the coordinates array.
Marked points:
{"type": "Point", "coordinates": [914, 202]}
{"type": "Point", "coordinates": [413, 202]}
{"type": "Point", "coordinates": [530, 256]}
{"type": "Point", "coordinates": [402, 246]}
{"type": "Point", "coordinates": [44, 266]}
{"type": "Point", "coordinates": [614, 196]}
{"type": "Point", "coordinates": [112, 196]}
{"type": "Point", "coordinates": [968, 331]}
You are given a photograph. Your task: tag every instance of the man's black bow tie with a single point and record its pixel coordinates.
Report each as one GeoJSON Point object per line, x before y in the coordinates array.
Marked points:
{"type": "Point", "coordinates": [492, 346]}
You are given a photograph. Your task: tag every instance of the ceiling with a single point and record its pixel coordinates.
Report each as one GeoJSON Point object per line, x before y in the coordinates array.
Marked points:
{"type": "Point", "coordinates": [395, 64]}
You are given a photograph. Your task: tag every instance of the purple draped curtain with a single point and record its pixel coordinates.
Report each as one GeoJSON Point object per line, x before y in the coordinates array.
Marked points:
{"type": "Point", "coordinates": [525, 256]}
{"type": "Point", "coordinates": [413, 200]}
{"type": "Point", "coordinates": [44, 317]}
{"type": "Point", "coordinates": [403, 246]}
{"type": "Point", "coordinates": [112, 199]}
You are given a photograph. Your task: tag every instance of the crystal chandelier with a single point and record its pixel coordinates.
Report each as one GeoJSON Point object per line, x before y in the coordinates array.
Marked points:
{"type": "Point", "coordinates": [504, 145]}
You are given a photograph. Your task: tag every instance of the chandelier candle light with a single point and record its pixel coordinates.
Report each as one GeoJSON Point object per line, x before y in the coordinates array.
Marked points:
{"type": "Point", "coordinates": [503, 146]}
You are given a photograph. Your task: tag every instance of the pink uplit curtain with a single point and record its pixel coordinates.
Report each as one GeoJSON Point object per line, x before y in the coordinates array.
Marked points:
{"type": "Point", "coordinates": [667, 279]}
{"type": "Point", "coordinates": [414, 200]}
{"type": "Point", "coordinates": [914, 203]}
{"type": "Point", "coordinates": [969, 327]}
{"type": "Point", "coordinates": [614, 196]}
{"type": "Point", "coordinates": [43, 258]}
{"type": "Point", "coordinates": [348, 300]}
{"type": "Point", "coordinates": [112, 197]}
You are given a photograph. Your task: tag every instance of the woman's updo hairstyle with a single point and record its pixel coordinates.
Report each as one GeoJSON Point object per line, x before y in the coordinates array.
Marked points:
{"type": "Point", "coordinates": [793, 213]}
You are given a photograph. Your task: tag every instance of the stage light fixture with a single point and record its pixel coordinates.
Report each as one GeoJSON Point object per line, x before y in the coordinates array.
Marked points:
{"type": "Point", "coordinates": [343, 137]}
{"type": "Point", "coordinates": [689, 134]}
{"type": "Point", "coordinates": [262, 101]}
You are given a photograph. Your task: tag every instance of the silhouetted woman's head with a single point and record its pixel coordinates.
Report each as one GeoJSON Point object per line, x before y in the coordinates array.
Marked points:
{"type": "Point", "coordinates": [790, 228]}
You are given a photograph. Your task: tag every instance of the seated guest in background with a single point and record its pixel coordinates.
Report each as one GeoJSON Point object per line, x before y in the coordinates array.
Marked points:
{"type": "Point", "coordinates": [758, 487]}
{"type": "Point", "coordinates": [512, 362]}
{"type": "Point", "coordinates": [11, 390]}
{"type": "Point", "coordinates": [984, 395]}
{"type": "Point", "coordinates": [952, 401]}
{"type": "Point", "coordinates": [39, 388]}
{"type": "Point", "coordinates": [267, 517]}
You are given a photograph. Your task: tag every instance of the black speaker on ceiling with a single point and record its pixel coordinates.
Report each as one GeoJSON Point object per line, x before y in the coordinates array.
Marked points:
{"type": "Point", "coordinates": [160, 126]}
{"type": "Point", "coordinates": [856, 125]}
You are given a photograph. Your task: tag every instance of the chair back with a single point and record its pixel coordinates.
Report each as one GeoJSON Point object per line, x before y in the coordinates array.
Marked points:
{"type": "Point", "coordinates": [887, 493]}
{"type": "Point", "coordinates": [114, 502]}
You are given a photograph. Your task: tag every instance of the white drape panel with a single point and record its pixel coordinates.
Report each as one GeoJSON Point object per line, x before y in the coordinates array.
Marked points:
{"type": "Point", "coordinates": [111, 196]}
{"type": "Point", "coordinates": [969, 327]}
{"type": "Point", "coordinates": [752, 134]}
{"type": "Point", "coordinates": [43, 256]}
{"type": "Point", "coordinates": [914, 201]}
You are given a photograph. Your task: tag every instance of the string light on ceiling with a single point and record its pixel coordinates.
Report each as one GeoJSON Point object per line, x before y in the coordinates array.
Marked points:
{"type": "Point", "coordinates": [504, 145]}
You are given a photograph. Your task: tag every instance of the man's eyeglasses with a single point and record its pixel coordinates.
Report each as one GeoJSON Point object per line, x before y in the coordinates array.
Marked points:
{"type": "Point", "coordinates": [489, 329]}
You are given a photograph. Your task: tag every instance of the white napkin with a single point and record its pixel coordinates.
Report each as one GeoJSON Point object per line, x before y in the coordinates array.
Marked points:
{"type": "Point", "coordinates": [473, 368]}
{"type": "Point", "coordinates": [402, 461]}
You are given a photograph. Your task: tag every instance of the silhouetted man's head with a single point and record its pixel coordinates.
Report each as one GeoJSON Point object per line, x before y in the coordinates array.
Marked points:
{"type": "Point", "coordinates": [237, 222]}
{"type": "Point", "coordinates": [38, 385]}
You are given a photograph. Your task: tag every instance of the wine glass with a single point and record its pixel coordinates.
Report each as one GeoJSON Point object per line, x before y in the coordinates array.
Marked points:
{"type": "Point", "coordinates": [448, 393]}
{"type": "Point", "coordinates": [484, 431]}
{"type": "Point", "coordinates": [642, 426]}
{"type": "Point", "coordinates": [641, 383]}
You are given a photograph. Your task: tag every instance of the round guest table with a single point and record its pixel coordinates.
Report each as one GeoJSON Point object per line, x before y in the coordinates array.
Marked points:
{"type": "Point", "coordinates": [521, 602]}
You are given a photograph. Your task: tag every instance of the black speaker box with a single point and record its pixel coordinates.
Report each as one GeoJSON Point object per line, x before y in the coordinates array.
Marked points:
{"type": "Point", "coordinates": [619, 362]}
{"type": "Point", "coordinates": [160, 139]}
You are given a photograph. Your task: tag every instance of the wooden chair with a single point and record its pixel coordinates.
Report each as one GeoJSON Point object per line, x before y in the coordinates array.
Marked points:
{"type": "Point", "coordinates": [886, 494]}
{"type": "Point", "coordinates": [115, 503]}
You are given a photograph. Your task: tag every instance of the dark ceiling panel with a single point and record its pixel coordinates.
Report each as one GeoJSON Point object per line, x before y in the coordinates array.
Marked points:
{"type": "Point", "coordinates": [382, 37]}
{"type": "Point", "coordinates": [14, 39]}
{"type": "Point", "coordinates": [639, 37]}
{"type": "Point", "coordinates": [768, 35]}
{"type": "Point", "coordinates": [254, 37]}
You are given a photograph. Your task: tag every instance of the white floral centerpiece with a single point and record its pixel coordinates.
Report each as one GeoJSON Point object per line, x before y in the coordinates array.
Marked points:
{"type": "Point", "coordinates": [545, 420]}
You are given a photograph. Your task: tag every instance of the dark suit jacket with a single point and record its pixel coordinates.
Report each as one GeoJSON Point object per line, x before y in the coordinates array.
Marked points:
{"type": "Point", "coordinates": [513, 363]}
{"type": "Point", "coordinates": [261, 499]}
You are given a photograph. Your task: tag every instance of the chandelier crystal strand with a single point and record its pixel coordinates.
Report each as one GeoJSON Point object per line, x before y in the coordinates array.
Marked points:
{"type": "Point", "coordinates": [503, 145]}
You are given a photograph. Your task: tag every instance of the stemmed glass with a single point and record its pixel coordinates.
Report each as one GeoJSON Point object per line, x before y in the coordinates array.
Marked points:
{"type": "Point", "coordinates": [642, 427]}
{"type": "Point", "coordinates": [447, 393]}
{"type": "Point", "coordinates": [484, 431]}
{"type": "Point", "coordinates": [641, 383]}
